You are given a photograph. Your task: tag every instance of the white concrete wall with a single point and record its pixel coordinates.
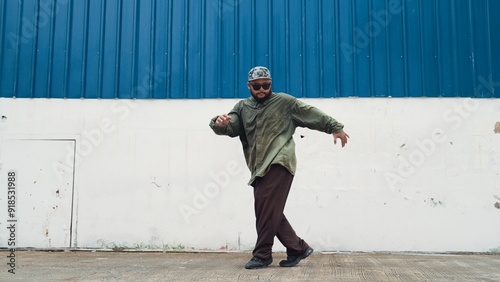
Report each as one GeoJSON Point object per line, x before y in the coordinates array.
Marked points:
{"type": "Point", "coordinates": [416, 175]}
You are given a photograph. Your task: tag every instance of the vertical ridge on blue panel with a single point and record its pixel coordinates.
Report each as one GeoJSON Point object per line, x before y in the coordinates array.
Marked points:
{"type": "Point", "coordinates": [50, 53]}
{"type": "Point", "coordinates": [370, 61]}
{"type": "Point", "coordinates": [355, 54]}
{"type": "Point", "coordinates": [347, 47]}
{"type": "Point", "coordinates": [108, 50]}
{"type": "Point", "coordinates": [228, 47]}
{"type": "Point", "coordinates": [365, 35]}
{"type": "Point", "coordinates": [388, 72]}
{"type": "Point", "coordinates": [102, 36]}
{"type": "Point", "coordinates": [194, 50]}
{"type": "Point", "coordinates": [226, 60]}
{"type": "Point", "coordinates": [327, 48]}
{"type": "Point", "coordinates": [421, 38]}
{"type": "Point", "coordinates": [252, 33]}
{"type": "Point", "coordinates": [311, 53]}
{"type": "Point", "coordinates": [191, 42]}
{"type": "Point", "coordinates": [162, 17]}
{"type": "Point", "coordinates": [405, 50]}
{"type": "Point", "coordinates": [489, 56]}
{"type": "Point", "coordinates": [295, 48]}
{"type": "Point", "coordinates": [236, 71]}
{"type": "Point", "coordinates": [414, 47]}
{"type": "Point", "coordinates": [261, 32]}
{"type": "Point", "coordinates": [126, 44]}
{"type": "Point", "coordinates": [289, 50]}
{"type": "Point", "coordinates": [435, 89]}
{"type": "Point", "coordinates": [72, 87]}
{"type": "Point", "coordinates": [44, 26]}
{"type": "Point", "coordinates": [494, 25]}
{"type": "Point", "coordinates": [33, 40]}
{"type": "Point", "coordinates": [43, 52]}
{"type": "Point", "coordinates": [271, 51]}
{"type": "Point", "coordinates": [472, 39]}
{"type": "Point", "coordinates": [58, 52]}
{"type": "Point", "coordinates": [443, 42]}
{"type": "Point", "coordinates": [93, 34]}
{"type": "Point", "coordinates": [488, 38]}
{"type": "Point", "coordinates": [18, 33]}
{"type": "Point", "coordinates": [170, 13]}
{"type": "Point", "coordinates": [85, 49]}
{"type": "Point", "coordinates": [321, 89]}
{"type": "Point", "coordinates": [11, 31]}
{"type": "Point", "coordinates": [454, 39]}
{"type": "Point", "coordinates": [67, 55]}
{"type": "Point", "coordinates": [144, 40]}
{"type": "Point", "coordinates": [118, 49]}
{"type": "Point", "coordinates": [4, 38]}
{"type": "Point", "coordinates": [135, 56]}
{"type": "Point", "coordinates": [116, 76]}
{"type": "Point", "coordinates": [178, 49]}
{"type": "Point", "coordinates": [464, 49]}
{"type": "Point", "coordinates": [269, 32]}
{"type": "Point", "coordinates": [371, 47]}
{"type": "Point", "coordinates": [303, 50]}
{"type": "Point", "coordinates": [395, 50]}
{"type": "Point", "coordinates": [220, 48]}
{"type": "Point", "coordinates": [287, 46]}
{"type": "Point", "coordinates": [87, 40]}
{"type": "Point", "coordinates": [338, 56]}
{"type": "Point", "coordinates": [202, 44]}
{"type": "Point", "coordinates": [209, 49]}
{"type": "Point", "coordinates": [186, 49]}
{"type": "Point", "coordinates": [438, 49]}
{"type": "Point", "coordinates": [36, 33]}
{"type": "Point", "coordinates": [152, 67]}
{"type": "Point", "coordinates": [278, 41]}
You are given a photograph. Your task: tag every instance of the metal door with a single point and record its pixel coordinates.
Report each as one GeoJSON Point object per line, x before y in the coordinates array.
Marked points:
{"type": "Point", "coordinates": [42, 211]}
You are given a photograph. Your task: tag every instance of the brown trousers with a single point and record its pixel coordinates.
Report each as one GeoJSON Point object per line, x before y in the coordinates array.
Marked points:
{"type": "Point", "coordinates": [270, 195]}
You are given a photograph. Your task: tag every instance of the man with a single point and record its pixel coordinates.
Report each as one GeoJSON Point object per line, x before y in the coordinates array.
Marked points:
{"type": "Point", "coordinates": [265, 123]}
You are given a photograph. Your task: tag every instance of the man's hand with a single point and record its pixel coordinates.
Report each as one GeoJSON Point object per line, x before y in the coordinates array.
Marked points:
{"type": "Point", "coordinates": [342, 136]}
{"type": "Point", "coordinates": [222, 120]}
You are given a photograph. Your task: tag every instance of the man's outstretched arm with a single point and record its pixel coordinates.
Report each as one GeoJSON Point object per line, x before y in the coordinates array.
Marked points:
{"type": "Point", "coordinates": [313, 118]}
{"type": "Point", "coordinates": [226, 124]}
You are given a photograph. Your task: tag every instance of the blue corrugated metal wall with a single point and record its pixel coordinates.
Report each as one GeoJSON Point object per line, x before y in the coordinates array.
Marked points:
{"type": "Point", "coordinates": [203, 49]}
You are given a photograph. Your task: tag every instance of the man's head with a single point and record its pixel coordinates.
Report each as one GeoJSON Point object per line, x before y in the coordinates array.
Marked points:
{"type": "Point", "coordinates": [259, 83]}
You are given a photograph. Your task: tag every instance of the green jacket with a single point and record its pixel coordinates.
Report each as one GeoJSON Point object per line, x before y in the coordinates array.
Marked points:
{"type": "Point", "coordinates": [266, 130]}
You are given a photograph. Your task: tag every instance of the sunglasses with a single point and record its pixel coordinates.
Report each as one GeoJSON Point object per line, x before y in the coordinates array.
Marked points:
{"type": "Point", "coordinates": [257, 86]}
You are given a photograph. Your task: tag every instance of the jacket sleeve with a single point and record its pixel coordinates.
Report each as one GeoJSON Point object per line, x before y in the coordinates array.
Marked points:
{"type": "Point", "coordinates": [305, 115]}
{"type": "Point", "coordinates": [232, 129]}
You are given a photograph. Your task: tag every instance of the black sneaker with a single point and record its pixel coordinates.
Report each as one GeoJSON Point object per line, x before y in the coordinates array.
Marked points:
{"type": "Point", "coordinates": [293, 261]}
{"type": "Point", "coordinates": [256, 262]}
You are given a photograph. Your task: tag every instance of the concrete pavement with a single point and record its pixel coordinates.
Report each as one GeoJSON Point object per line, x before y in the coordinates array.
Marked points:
{"type": "Point", "coordinates": [209, 266]}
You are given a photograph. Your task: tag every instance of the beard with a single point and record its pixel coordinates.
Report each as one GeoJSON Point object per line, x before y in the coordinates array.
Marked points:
{"type": "Point", "coordinates": [261, 95]}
